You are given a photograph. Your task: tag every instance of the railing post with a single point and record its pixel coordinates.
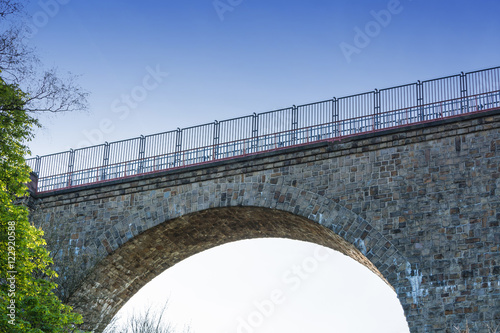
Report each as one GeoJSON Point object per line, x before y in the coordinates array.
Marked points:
{"type": "Point", "coordinates": [295, 125]}
{"type": "Point", "coordinates": [463, 93]}
{"type": "Point", "coordinates": [37, 165]}
{"type": "Point", "coordinates": [178, 145]}
{"type": "Point", "coordinates": [420, 100]}
{"type": "Point", "coordinates": [376, 109]}
{"type": "Point", "coordinates": [105, 161]}
{"type": "Point", "coordinates": [142, 149]}
{"type": "Point", "coordinates": [335, 116]}
{"type": "Point", "coordinates": [215, 150]}
{"type": "Point", "coordinates": [71, 164]}
{"type": "Point", "coordinates": [35, 174]}
{"type": "Point", "coordinates": [255, 132]}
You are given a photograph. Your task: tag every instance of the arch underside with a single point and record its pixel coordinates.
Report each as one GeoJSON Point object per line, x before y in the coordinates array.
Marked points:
{"type": "Point", "coordinates": [120, 275]}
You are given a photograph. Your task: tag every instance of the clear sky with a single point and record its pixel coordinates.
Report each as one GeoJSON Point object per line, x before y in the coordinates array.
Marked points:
{"type": "Point", "coordinates": [262, 56]}
{"type": "Point", "coordinates": [271, 286]}
{"type": "Point", "coordinates": [152, 66]}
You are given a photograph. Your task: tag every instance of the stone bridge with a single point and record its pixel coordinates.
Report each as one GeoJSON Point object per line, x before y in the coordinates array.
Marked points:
{"type": "Point", "coordinates": [419, 206]}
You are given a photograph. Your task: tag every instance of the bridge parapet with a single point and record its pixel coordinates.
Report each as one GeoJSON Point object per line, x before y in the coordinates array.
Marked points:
{"type": "Point", "coordinates": [330, 120]}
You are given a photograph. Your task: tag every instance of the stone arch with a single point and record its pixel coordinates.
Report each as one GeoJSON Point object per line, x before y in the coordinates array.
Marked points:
{"type": "Point", "coordinates": [240, 211]}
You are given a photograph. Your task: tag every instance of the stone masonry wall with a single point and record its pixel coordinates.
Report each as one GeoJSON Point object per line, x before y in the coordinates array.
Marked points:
{"type": "Point", "coordinates": [418, 206]}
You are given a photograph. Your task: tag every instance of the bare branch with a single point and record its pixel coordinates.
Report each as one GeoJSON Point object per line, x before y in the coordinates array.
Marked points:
{"type": "Point", "coordinates": [47, 90]}
{"type": "Point", "coordinates": [54, 94]}
{"type": "Point", "coordinates": [9, 7]}
{"type": "Point", "coordinates": [150, 320]}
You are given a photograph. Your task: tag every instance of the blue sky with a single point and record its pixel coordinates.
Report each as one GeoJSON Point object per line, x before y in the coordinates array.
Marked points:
{"type": "Point", "coordinates": [262, 56]}
{"type": "Point", "coordinates": [153, 66]}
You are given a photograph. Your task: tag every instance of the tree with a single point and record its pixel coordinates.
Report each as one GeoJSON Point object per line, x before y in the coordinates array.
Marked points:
{"type": "Point", "coordinates": [147, 321]}
{"type": "Point", "coordinates": [46, 90]}
{"type": "Point", "coordinates": [28, 302]}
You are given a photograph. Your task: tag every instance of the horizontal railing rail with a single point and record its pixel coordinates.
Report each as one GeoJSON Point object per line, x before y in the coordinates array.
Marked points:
{"type": "Point", "coordinates": [333, 119]}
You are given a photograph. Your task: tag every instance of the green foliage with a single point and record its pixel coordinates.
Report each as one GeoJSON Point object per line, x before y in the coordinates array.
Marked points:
{"type": "Point", "coordinates": [23, 257]}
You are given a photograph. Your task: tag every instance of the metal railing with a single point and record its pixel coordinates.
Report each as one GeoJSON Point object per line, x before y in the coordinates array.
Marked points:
{"type": "Point", "coordinates": [297, 125]}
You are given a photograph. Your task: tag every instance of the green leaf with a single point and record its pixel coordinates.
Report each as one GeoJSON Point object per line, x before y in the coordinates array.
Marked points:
{"type": "Point", "coordinates": [36, 307]}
